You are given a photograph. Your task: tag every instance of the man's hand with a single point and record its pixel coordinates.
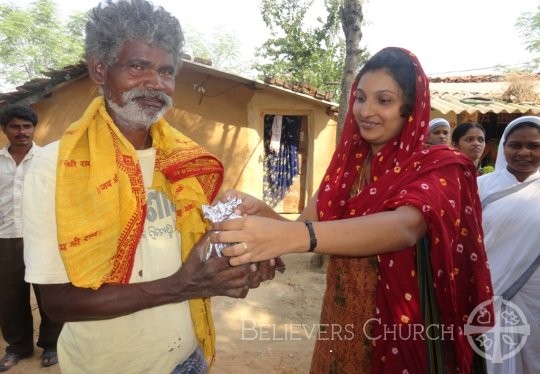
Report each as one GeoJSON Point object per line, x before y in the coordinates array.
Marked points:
{"type": "Point", "coordinates": [197, 278]}
{"type": "Point", "coordinates": [261, 271]}
{"type": "Point", "coordinates": [216, 277]}
{"type": "Point", "coordinates": [213, 277]}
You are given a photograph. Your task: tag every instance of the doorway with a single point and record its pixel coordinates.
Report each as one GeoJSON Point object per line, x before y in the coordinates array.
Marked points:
{"type": "Point", "coordinates": [285, 162]}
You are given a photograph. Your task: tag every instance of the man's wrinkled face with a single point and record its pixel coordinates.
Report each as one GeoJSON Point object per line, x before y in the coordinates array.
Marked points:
{"type": "Point", "coordinates": [138, 87]}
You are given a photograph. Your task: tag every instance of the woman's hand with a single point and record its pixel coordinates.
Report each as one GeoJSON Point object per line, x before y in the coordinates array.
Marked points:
{"type": "Point", "coordinates": [259, 238]}
{"type": "Point", "coordinates": [250, 205]}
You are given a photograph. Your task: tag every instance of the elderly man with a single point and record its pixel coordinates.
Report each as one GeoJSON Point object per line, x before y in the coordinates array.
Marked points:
{"type": "Point", "coordinates": [115, 236]}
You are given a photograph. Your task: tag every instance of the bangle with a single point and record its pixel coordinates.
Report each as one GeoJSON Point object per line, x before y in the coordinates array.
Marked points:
{"type": "Point", "coordinates": [312, 237]}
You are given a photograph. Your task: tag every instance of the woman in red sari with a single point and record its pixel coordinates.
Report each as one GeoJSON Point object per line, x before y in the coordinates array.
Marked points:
{"type": "Point", "coordinates": [402, 224]}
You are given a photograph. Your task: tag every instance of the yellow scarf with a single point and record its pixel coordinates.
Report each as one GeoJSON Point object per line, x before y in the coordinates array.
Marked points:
{"type": "Point", "coordinates": [101, 201]}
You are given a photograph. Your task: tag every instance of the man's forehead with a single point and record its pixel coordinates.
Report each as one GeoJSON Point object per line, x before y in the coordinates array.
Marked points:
{"type": "Point", "coordinates": [15, 121]}
{"type": "Point", "coordinates": [142, 48]}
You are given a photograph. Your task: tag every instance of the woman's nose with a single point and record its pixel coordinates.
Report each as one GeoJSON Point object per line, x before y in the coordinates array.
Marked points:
{"type": "Point", "coordinates": [366, 109]}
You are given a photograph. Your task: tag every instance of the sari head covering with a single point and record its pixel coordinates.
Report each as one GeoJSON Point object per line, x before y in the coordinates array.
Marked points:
{"type": "Point", "coordinates": [500, 162]}
{"type": "Point", "coordinates": [441, 183]}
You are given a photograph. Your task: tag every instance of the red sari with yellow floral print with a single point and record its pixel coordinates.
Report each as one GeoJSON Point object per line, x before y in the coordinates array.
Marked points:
{"type": "Point", "coordinates": [372, 313]}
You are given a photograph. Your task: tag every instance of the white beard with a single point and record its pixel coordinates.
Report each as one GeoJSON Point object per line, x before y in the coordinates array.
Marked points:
{"type": "Point", "coordinates": [132, 115]}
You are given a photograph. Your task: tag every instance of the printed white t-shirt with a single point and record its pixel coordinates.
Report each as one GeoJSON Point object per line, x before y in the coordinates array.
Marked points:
{"type": "Point", "coordinates": [153, 340]}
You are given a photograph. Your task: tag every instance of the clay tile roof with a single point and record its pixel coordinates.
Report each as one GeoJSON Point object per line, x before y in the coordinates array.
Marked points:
{"type": "Point", "coordinates": [35, 89]}
{"type": "Point", "coordinates": [448, 94]}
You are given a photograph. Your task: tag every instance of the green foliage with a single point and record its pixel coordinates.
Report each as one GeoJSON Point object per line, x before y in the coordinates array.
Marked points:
{"type": "Point", "coordinates": [219, 47]}
{"type": "Point", "coordinates": [35, 40]}
{"type": "Point", "coordinates": [486, 169]}
{"type": "Point", "coordinates": [528, 24]}
{"type": "Point", "coordinates": [298, 53]}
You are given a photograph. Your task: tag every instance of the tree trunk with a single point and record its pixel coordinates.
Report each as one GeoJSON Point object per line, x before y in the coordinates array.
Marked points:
{"type": "Point", "coordinates": [351, 17]}
{"type": "Point", "coordinates": [350, 13]}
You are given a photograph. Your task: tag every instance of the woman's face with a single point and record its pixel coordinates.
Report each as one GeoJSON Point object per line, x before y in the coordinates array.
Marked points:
{"type": "Point", "coordinates": [440, 135]}
{"type": "Point", "coordinates": [522, 152]}
{"type": "Point", "coordinates": [472, 144]}
{"type": "Point", "coordinates": [377, 108]}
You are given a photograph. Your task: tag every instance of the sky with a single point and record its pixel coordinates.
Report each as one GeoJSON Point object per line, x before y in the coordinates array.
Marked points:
{"type": "Point", "coordinates": [450, 37]}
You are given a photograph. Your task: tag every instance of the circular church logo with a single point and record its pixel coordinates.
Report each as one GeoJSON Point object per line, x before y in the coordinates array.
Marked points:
{"type": "Point", "coordinates": [506, 338]}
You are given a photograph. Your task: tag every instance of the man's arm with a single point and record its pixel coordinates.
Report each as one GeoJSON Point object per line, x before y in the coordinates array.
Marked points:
{"type": "Point", "coordinates": [65, 302]}
{"type": "Point", "coordinates": [197, 278]}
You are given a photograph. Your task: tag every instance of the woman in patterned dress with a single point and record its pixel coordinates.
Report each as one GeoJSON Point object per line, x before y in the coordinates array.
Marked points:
{"type": "Point", "coordinates": [402, 224]}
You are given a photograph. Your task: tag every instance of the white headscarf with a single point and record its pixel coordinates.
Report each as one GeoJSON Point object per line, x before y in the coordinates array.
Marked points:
{"type": "Point", "coordinates": [511, 239]}
{"type": "Point", "coordinates": [438, 122]}
{"type": "Point", "coordinates": [500, 163]}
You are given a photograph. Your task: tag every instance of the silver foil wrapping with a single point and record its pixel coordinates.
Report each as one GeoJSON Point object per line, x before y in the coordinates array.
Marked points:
{"type": "Point", "coordinates": [220, 212]}
{"type": "Point", "coordinates": [217, 213]}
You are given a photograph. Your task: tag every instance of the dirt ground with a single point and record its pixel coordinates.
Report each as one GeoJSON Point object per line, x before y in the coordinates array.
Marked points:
{"type": "Point", "coordinates": [271, 331]}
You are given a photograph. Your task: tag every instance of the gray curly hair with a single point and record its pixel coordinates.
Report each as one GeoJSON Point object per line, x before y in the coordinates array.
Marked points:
{"type": "Point", "coordinates": [112, 24]}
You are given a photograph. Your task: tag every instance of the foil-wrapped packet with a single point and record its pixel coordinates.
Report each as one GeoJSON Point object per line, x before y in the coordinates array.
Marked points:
{"type": "Point", "coordinates": [220, 212]}
{"type": "Point", "coordinates": [217, 213]}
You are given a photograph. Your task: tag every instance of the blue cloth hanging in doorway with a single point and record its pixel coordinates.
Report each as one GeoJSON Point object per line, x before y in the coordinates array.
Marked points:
{"type": "Point", "coordinates": [280, 162]}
